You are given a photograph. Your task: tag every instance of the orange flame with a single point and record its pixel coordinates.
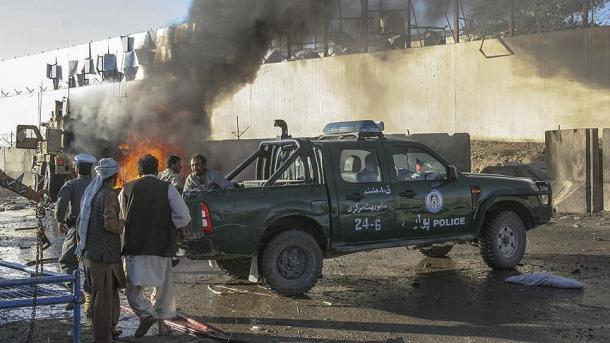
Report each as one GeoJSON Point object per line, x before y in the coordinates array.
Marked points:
{"type": "Point", "coordinates": [132, 153]}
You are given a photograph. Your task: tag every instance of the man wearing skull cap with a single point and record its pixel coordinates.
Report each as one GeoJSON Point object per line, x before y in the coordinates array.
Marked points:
{"type": "Point", "coordinates": [67, 210]}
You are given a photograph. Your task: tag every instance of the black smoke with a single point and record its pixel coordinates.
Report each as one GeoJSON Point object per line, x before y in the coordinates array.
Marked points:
{"type": "Point", "coordinates": [218, 54]}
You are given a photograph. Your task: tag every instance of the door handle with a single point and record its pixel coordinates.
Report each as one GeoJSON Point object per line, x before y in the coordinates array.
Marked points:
{"type": "Point", "coordinates": [355, 197]}
{"type": "Point", "coordinates": [408, 194]}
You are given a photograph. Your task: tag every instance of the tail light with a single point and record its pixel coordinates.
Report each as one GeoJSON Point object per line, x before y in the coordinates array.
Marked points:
{"type": "Point", "coordinates": [206, 220]}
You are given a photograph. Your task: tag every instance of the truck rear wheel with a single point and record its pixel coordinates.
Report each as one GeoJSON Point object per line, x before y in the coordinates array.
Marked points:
{"type": "Point", "coordinates": [503, 241]}
{"type": "Point", "coordinates": [238, 268]}
{"type": "Point", "coordinates": [291, 263]}
{"type": "Point", "coordinates": [440, 251]}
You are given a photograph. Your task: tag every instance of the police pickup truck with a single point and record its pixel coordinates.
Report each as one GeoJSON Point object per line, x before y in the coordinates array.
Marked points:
{"type": "Point", "coordinates": [351, 190]}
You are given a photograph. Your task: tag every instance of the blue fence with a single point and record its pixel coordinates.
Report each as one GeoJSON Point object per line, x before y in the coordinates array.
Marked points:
{"type": "Point", "coordinates": [15, 293]}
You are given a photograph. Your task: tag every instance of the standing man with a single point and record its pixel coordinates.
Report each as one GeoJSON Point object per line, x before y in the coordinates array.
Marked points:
{"type": "Point", "coordinates": [203, 179]}
{"type": "Point", "coordinates": [154, 210]}
{"type": "Point", "coordinates": [99, 233]}
{"type": "Point", "coordinates": [67, 210]}
{"type": "Point", "coordinates": [171, 174]}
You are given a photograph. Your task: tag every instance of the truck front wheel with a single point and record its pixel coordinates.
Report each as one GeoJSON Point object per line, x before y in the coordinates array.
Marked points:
{"type": "Point", "coordinates": [503, 240]}
{"type": "Point", "coordinates": [291, 263]}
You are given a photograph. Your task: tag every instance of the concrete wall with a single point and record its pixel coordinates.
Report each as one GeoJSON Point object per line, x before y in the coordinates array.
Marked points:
{"type": "Point", "coordinates": [606, 168]}
{"type": "Point", "coordinates": [225, 155]}
{"type": "Point", "coordinates": [16, 162]}
{"type": "Point", "coordinates": [573, 159]}
{"type": "Point", "coordinates": [539, 83]}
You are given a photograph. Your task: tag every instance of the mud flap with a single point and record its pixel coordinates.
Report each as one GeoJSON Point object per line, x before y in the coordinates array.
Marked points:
{"type": "Point", "coordinates": [254, 276]}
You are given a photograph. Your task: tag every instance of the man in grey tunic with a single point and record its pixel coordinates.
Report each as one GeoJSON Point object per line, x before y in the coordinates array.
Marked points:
{"type": "Point", "coordinates": [67, 210]}
{"type": "Point", "coordinates": [203, 179]}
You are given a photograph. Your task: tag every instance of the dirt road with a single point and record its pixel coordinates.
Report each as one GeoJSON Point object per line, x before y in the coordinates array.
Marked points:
{"type": "Point", "coordinates": [394, 295]}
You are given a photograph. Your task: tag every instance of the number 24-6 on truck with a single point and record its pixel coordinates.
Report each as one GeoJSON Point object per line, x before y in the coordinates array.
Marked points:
{"type": "Point", "coordinates": [353, 189]}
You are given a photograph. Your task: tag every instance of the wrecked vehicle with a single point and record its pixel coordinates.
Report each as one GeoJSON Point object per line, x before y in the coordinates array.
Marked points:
{"type": "Point", "coordinates": [353, 190]}
{"type": "Point", "coordinates": [52, 165]}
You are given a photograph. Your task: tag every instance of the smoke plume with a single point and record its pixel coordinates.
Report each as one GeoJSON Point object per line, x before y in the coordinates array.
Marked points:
{"type": "Point", "coordinates": [221, 53]}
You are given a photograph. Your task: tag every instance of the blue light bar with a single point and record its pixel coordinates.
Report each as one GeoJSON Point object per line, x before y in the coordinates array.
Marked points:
{"type": "Point", "coordinates": [357, 126]}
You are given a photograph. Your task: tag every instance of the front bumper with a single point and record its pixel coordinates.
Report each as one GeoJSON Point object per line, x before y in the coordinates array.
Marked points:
{"type": "Point", "coordinates": [542, 214]}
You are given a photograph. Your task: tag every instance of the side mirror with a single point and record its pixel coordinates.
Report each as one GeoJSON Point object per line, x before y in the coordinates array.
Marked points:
{"type": "Point", "coordinates": [452, 173]}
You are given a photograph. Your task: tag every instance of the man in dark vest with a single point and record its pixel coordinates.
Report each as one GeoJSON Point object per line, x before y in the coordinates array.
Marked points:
{"type": "Point", "coordinates": [67, 210]}
{"type": "Point", "coordinates": [99, 245]}
{"type": "Point", "coordinates": [154, 211]}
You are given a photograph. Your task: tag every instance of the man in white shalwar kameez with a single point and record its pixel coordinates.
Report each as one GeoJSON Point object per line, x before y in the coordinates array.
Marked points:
{"type": "Point", "coordinates": [153, 211]}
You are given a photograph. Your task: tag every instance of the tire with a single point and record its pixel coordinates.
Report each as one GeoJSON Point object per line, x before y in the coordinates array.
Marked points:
{"type": "Point", "coordinates": [503, 240]}
{"type": "Point", "coordinates": [291, 263]}
{"type": "Point", "coordinates": [238, 268]}
{"type": "Point", "coordinates": [439, 251]}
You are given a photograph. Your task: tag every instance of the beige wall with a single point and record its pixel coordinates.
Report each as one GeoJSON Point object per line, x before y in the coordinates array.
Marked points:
{"type": "Point", "coordinates": [549, 80]}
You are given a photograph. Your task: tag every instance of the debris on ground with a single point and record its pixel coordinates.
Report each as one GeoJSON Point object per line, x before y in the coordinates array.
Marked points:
{"type": "Point", "coordinates": [546, 280]}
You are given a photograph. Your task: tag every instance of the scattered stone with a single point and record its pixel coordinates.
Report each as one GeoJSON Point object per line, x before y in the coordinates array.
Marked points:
{"type": "Point", "coordinates": [576, 271]}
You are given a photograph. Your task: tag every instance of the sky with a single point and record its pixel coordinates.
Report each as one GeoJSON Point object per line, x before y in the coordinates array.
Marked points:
{"type": "Point", "coordinates": [32, 26]}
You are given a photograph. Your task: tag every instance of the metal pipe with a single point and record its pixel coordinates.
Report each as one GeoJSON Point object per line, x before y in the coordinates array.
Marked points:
{"type": "Point", "coordinates": [39, 301]}
{"type": "Point", "coordinates": [365, 25]}
{"type": "Point", "coordinates": [38, 281]}
{"type": "Point", "coordinates": [243, 165]}
{"type": "Point", "coordinates": [511, 21]}
{"type": "Point", "coordinates": [408, 22]}
{"type": "Point", "coordinates": [283, 168]}
{"type": "Point", "coordinates": [26, 269]}
{"type": "Point", "coordinates": [456, 21]}
{"type": "Point", "coordinates": [77, 302]}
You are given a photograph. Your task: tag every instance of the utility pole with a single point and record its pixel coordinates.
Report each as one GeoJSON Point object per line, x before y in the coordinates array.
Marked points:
{"type": "Point", "coordinates": [456, 21]}
{"type": "Point", "coordinates": [408, 21]}
{"type": "Point", "coordinates": [365, 25]}
{"type": "Point", "coordinates": [511, 21]}
{"type": "Point", "coordinates": [238, 133]}
{"type": "Point", "coordinates": [586, 6]}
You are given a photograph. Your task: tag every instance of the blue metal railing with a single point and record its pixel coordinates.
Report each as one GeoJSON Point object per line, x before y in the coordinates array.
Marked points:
{"type": "Point", "coordinates": [15, 293]}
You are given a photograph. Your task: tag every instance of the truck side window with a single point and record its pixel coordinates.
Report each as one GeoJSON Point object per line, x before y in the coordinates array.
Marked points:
{"type": "Point", "coordinates": [359, 166]}
{"type": "Point", "coordinates": [412, 164]}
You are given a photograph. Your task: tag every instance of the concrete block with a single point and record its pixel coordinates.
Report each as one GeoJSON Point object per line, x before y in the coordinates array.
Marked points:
{"type": "Point", "coordinates": [606, 168]}
{"type": "Point", "coordinates": [15, 162]}
{"type": "Point", "coordinates": [455, 148]}
{"type": "Point", "coordinates": [573, 160]}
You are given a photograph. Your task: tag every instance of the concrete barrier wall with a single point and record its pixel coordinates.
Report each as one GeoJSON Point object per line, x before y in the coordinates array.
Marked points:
{"type": "Point", "coordinates": [225, 155]}
{"type": "Point", "coordinates": [606, 168]}
{"type": "Point", "coordinates": [16, 162]}
{"type": "Point", "coordinates": [539, 83]}
{"type": "Point", "coordinates": [573, 159]}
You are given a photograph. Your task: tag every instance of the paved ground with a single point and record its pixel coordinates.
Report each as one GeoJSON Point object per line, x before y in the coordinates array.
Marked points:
{"type": "Point", "coordinates": [393, 295]}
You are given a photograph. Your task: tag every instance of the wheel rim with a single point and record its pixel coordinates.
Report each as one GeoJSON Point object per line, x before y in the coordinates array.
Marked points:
{"type": "Point", "coordinates": [507, 241]}
{"type": "Point", "coordinates": [292, 262]}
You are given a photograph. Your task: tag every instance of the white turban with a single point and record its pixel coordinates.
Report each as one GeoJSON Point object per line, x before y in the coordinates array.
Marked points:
{"type": "Point", "coordinates": [105, 168]}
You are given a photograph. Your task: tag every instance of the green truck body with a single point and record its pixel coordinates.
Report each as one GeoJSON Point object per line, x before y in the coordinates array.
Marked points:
{"type": "Point", "coordinates": [357, 194]}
